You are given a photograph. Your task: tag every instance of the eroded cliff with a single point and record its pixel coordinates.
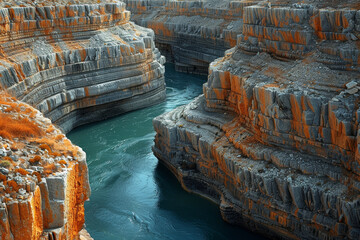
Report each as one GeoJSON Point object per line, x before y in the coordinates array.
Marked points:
{"type": "Point", "coordinates": [194, 33]}
{"type": "Point", "coordinates": [274, 138]}
{"type": "Point", "coordinates": [79, 63]}
{"type": "Point", "coordinates": [75, 63]}
{"type": "Point", "coordinates": [43, 177]}
{"type": "Point", "coordinates": [191, 34]}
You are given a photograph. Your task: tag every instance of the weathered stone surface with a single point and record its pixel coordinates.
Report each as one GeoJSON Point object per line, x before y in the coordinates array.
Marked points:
{"type": "Point", "coordinates": [75, 63]}
{"type": "Point", "coordinates": [194, 33]}
{"type": "Point", "coordinates": [294, 31]}
{"type": "Point", "coordinates": [79, 63]}
{"type": "Point", "coordinates": [84, 235]}
{"type": "Point", "coordinates": [274, 138]}
{"type": "Point", "coordinates": [191, 33]}
{"type": "Point", "coordinates": [43, 191]}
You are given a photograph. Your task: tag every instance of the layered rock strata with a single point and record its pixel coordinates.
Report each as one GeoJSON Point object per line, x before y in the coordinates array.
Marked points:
{"type": "Point", "coordinates": [43, 177]}
{"type": "Point", "coordinates": [191, 33]}
{"type": "Point", "coordinates": [75, 63]}
{"type": "Point", "coordinates": [330, 29]}
{"type": "Point", "coordinates": [79, 63]}
{"type": "Point", "coordinates": [274, 138]}
{"type": "Point", "coordinates": [194, 33]}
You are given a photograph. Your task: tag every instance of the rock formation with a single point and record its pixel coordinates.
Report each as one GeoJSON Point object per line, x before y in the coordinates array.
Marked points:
{"type": "Point", "coordinates": [274, 138]}
{"type": "Point", "coordinates": [79, 63]}
{"type": "Point", "coordinates": [194, 33]}
{"type": "Point", "coordinates": [191, 34]}
{"type": "Point", "coordinates": [43, 177]}
{"type": "Point", "coordinates": [75, 63]}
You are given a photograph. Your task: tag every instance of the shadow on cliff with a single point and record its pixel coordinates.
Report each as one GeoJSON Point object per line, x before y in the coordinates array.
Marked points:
{"type": "Point", "coordinates": [193, 208]}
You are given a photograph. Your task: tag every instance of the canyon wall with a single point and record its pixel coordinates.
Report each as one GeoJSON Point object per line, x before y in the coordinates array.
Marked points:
{"type": "Point", "coordinates": [43, 177]}
{"type": "Point", "coordinates": [191, 34]}
{"type": "Point", "coordinates": [274, 138]}
{"type": "Point", "coordinates": [79, 63]}
{"type": "Point", "coordinates": [75, 63]}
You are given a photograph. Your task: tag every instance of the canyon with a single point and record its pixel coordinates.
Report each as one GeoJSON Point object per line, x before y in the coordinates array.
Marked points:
{"type": "Point", "coordinates": [273, 139]}
{"type": "Point", "coordinates": [191, 34]}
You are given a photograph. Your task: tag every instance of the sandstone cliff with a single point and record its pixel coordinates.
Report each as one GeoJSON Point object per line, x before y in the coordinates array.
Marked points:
{"type": "Point", "coordinates": [43, 177]}
{"type": "Point", "coordinates": [274, 138]}
{"type": "Point", "coordinates": [79, 63]}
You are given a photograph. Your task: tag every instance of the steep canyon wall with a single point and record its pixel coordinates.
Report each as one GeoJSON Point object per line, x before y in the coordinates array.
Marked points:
{"type": "Point", "coordinates": [194, 33]}
{"type": "Point", "coordinates": [79, 63]}
{"type": "Point", "coordinates": [75, 63]}
{"type": "Point", "coordinates": [274, 138]}
{"type": "Point", "coordinates": [43, 177]}
{"type": "Point", "coordinates": [191, 34]}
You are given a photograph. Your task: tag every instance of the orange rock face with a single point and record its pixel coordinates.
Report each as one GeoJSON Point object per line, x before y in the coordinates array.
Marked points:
{"type": "Point", "coordinates": [186, 30]}
{"type": "Point", "coordinates": [191, 34]}
{"type": "Point", "coordinates": [42, 190]}
{"type": "Point", "coordinates": [73, 60]}
{"type": "Point", "coordinates": [296, 31]}
{"type": "Point", "coordinates": [274, 103]}
{"type": "Point", "coordinates": [274, 137]}
{"type": "Point", "coordinates": [74, 63]}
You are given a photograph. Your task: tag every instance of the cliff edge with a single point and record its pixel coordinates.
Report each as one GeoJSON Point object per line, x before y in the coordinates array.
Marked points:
{"type": "Point", "coordinates": [79, 63]}
{"type": "Point", "coordinates": [192, 34]}
{"type": "Point", "coordinates": [43, 177]}
{"type": "Point", "coordinates": [274, 138]}
{"type": "Point", "coordinates": [73, 62]}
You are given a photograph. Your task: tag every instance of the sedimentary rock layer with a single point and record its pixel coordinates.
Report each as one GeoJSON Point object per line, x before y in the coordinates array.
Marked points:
{"type": "Point", "coordinates": [43, 177]}
{"type": "Point", "coordinates": [274, 138]}
{"type": "Point", "coordinates": [75, 64]}
{"type": "Point", "coordinates": [298, 30]}
{"type": "Point", "coordinates": [194, 33]}
{"type": "Point", "coordinates": [191, 33]}
{"type": "Point", "coordinates": [79, 63]}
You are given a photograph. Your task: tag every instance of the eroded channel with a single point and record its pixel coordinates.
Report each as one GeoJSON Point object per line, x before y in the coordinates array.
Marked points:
{"type": "Point", "coordinates": [134, 197]}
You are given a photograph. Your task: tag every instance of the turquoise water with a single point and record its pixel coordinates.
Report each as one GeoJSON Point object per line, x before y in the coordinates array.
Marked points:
{"type": "Point", "coordinates": [134, 197]}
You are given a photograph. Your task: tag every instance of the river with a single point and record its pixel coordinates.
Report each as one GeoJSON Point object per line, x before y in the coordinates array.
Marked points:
{"type": "Point", "coordinates": [134, 197]}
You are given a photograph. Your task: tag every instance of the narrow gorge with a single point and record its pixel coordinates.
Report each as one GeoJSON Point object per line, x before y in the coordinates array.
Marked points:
{"type": "Point", "coordinates": [272, 139]}
{"type": "Point", "coordinates": [132, 195]}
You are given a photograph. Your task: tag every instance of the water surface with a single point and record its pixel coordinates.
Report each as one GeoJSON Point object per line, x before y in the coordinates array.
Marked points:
{"type": "Point", "coordinates": [134, 197]}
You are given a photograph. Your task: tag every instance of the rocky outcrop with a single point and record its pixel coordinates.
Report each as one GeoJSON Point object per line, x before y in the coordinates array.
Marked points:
{"type": "Point", "coordinates": [79, 63]}
{"type": "Point", "coordinates": [274, 138]}
{"type": "Point", "coordinates": [191, 34]}
{"type": "Point", "coordinates": [43, 177]}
